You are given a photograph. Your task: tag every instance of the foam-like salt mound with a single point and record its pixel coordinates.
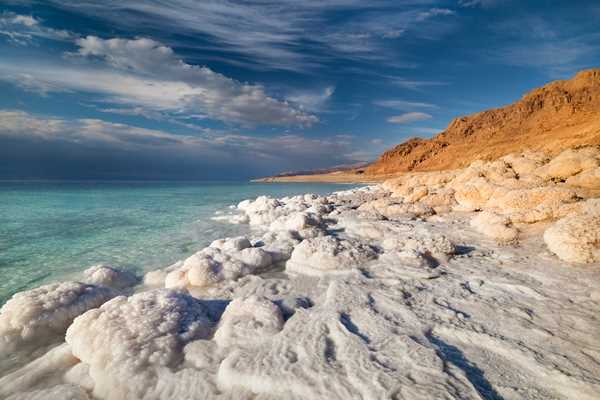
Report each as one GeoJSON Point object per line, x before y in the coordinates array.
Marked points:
{"type": "Point", "coordinates": [224, 259]}
{"type": "Point", "coordinates": [328, 255]}
{"type": "Point", "coordinates": [247, 322]}
{"type": "Point", "coordinates": [495, 226]}
{"type": "Point", "coordinates": [129, 342]}
{"type": "Point", "coordinates": [576, 237]}
{"type": "Point", "coordinates": [40, 315]}
{"type": "Point", "coordinates": [106, 275]}
{"type": "Point", "coordinates": [59, 392]}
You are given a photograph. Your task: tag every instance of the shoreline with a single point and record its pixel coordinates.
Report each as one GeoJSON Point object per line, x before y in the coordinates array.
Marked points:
{"type": "Point", "coordinates": [402, 288]}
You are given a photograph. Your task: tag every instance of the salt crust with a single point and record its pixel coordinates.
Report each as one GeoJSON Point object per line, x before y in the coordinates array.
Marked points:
{"type": "Point", "coordinates": [377, 292]}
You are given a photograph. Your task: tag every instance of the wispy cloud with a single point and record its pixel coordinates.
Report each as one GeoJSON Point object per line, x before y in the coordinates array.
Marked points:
{"type": "Point", "coordinates": [558, 47]}
{"type": "Point", "coordinates": [403, 105]}
{"type": "Point", "coordinates": [144, 73]}
{"type": "Point", "coordinates": [414, 84]}
{"type": "Point", "coordinates": [410, 117]}
{"type": "Point", "coordinates": [23, 29]}
{"type": "Point", "coordinates": [314, 101]}
{"type": "Point", "coordinates": [276, 34]}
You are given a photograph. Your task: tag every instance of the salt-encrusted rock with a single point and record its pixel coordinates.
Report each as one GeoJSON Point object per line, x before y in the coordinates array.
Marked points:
{"type": "Point", "coordinates": [297, 221]}
{"type": "Point", "coordinates": [225, 259]}
{"type": "Point", "coordinates": [495, 226]}
{"type": "Point", "coordinates": [42, 314]}
{"type": "Point", "coordinates": [155, 278]}
{"type": "Point", "coordinates": [576, 237]}
{"type": "Point", "coordinates": [328, 255]}
{"type": "Point", "coordinates": [254, 257]}
{"type": "Point", "coordinates": [131, 343]}
{"type": "Point", "coordinates": [280, 244]}
{"type": "Point", "coordinates": [203, 271]}
{"type": "Point", "coordinates": [526, 199]}
{"type": "Point", "coordinates": [570, 162]}
{"type": "Point", "coordinates": [589, 179]}
{"type": "Point", "coordinates": [473, 195]}
{"type": "Point", "coordinates": [249, 321]}
{"type": "Point", "coordinates": [525, 163]}
{"type": "Point", "coordinates": [105, 275]}
{"type": "Point", "coordinates": [419, 243]}
{"type": "Point", "coordinates": [58, 392]}
{"type": "Point", "coordinates": [232, 244]}
{"type": "Point", "coordinates": [416, 194]}
{"type": "Point", "coordinates": [443, 197]}
{"type": "Point", "coordinates": [391, 208]}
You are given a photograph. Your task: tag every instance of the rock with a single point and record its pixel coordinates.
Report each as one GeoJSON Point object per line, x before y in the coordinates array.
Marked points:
{"type": "Point", "coordinates": [568, 163]}
{"type": "Point", "coordinates": [131, 342]}
{"type": "Point", "coordinates": [576, 237]}
{"type": "Point", "coordinates": [495, 226]}
{"type": "Point", "coordinates": [247, 322]}
{"type": "Point", "coordinates": [328, 255]}
{"type": "Point", "coordinates": [105, 275]}
{"type": "Point", "coordinates": [589, 179]}
{"type": "Point", "coordinates": [232, 244]}
{"type": "Point", "coordinates": [43, 314]}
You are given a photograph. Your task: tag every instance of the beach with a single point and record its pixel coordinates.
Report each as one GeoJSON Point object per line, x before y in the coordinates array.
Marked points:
{"type": "Point", "coordinates": [381, 291]}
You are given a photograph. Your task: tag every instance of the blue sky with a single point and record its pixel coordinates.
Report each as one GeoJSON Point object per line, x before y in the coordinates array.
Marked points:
{"type": "Point", "coordinates": [185, 89]}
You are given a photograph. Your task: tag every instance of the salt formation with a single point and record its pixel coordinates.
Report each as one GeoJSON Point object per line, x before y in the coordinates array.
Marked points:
{"type": "Point", "coordinates": [129, 342]}
{"type": "Point", "coordinates": [108, 276]}
{"type": "Point", "coordinates": [430, 285]}
{"type": "Point", "coordinates": [248, 322]}
{"type": "Point", "coordinates": [224, 259]}
{"type": "Point", "coordinates": [42, 314]}
{"type": "Point", "coordinates": [576, 237]}
{"type": "Point", "coordinates": [328, 255]}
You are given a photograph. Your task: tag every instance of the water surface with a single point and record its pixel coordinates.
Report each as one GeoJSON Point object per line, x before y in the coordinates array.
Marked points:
{"type": "Point", "coordinates": [49, 230]}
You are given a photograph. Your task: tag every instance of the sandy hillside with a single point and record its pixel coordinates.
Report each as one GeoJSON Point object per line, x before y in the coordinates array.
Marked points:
{"type": "Point", "coordinates": [555, 117]}
{"type": "Point", "coordinates": [552, 118]}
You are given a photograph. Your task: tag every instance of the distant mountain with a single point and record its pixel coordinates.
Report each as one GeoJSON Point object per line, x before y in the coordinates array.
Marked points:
{"type": "Point", "coordinates": [337, 168]}
{"type": "Point", "coordinates": [559, 115]}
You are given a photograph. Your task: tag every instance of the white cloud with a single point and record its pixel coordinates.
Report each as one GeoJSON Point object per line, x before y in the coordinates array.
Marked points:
{"type": "Point", "coordinates": [407, 118]}
{"type": "Point", "coordinates": [414, 84]}
{"type": "Point", "coordinates": [23, 29]}
{"type": "Point", "coordinates": [403, 104]}
{"type": "Point", "coordinates": [275, 34]}
{"type": "Point", "coordinates": [312, 101]}
{"type": "Point", "coordinates": [143, 73]}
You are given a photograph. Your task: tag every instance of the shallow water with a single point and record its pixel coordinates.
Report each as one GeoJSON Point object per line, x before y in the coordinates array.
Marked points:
{"type": "Point", "coordinates": [49, 230]}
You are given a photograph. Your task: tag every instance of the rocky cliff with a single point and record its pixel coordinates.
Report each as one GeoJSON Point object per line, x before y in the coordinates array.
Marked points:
{"type": "Point", "coordinates": [559, 115]}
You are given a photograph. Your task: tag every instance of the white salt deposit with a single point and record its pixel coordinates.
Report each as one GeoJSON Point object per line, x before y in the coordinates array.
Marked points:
{"type": "Point", "coordinates": [40, 315]}
{"type": "Point", "coordinates": [392, 291]}
{"type": "Point", "coordinates": [105, 275]}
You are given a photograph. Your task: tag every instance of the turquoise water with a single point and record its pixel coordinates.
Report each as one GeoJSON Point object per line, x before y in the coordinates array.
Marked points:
{"type": "Point", "coordinates": [49, 230]}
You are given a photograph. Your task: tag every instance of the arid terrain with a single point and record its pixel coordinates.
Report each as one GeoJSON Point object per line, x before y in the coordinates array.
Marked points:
{"type": "Point", "coordinates": [555, 117]}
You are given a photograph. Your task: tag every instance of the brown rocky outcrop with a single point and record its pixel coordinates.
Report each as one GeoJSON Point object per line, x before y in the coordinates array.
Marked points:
{"type": "Point", "coordinates": [560, 115]}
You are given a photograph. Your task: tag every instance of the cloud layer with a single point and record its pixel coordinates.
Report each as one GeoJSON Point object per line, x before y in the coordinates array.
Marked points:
{"type": "Point", "coordinates": [142, 72]}
{"type": "Point", "coordinates": [409, 117]}
{"type": "Point", "coordinates": [62, 148]}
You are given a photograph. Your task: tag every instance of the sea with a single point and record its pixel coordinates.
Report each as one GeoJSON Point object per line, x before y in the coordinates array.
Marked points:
{"type": "Point", "coordinates": [52, 230]}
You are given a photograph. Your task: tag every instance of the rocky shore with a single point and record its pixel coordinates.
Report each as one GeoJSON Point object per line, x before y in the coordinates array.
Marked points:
{"type": "Point", "coordinates": [475, 283]}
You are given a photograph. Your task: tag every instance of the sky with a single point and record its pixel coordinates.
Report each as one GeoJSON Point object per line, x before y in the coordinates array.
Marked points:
{"type": "Point", "coordinates": [230, 90]}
